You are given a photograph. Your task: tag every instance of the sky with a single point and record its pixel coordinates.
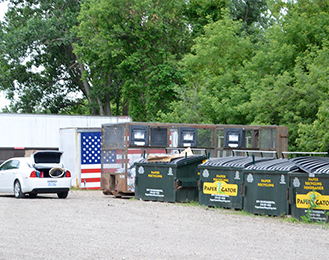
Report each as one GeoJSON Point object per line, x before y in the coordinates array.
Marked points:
{"type": "Point", "coordinates": [3, 9]}
{"type": "Point", "coordinates": [3, 101]}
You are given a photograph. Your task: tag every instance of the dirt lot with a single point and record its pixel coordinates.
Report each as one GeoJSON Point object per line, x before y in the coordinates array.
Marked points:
{"type": "Point", "coordinates": [90, 225]}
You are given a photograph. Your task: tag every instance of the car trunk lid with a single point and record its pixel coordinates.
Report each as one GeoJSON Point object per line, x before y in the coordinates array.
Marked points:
{"type": "Point", "coordinates": [45, 157]}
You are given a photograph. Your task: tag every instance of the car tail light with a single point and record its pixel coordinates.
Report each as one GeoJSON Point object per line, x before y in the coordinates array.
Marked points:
{"type": "Point", "coordinates": [68, 174]}
{"type": "Point", "coordinates": [33, 174]}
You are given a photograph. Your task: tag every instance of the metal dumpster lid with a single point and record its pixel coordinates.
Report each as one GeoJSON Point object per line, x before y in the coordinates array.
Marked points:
{"type": "Point", "coordinates": [274, 165]}
{"type": "Point", "coordinates": [176, 161]}
{"type": "Point", "coordinates": [312, 164]}
{"type": "Point", "coordinates": [235, 161]}
{"type": "Point", "coordinates": [323, 169]}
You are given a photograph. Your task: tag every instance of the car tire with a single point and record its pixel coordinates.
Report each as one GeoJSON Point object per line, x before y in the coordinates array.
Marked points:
{"type": "Point", "coordinates": [18, 190]}
{"type": "Point", "coordinates": [62, 195]}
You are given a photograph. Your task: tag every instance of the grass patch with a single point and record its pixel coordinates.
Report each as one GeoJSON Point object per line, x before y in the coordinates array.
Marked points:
{"type": "Point", "coordinates": [83, 189]}
{"type": "Point", "coordinates": [189, 203]}
{"type": "Point", "coordinates": [282, 218]}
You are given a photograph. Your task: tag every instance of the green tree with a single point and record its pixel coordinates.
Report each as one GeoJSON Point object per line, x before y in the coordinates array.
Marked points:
{"type": "Point", "coordinates": [39, 69]}
{"type": "Point", "coordinates": [253, 13]}
{"type": "Point", "coordinates": [250, 12]}
{"type": "Point", "coordinates": [138, 41]}
{"type": "Point", "coordinates": [201, 12]}
{"type": "Point", "coordinates": [276, 75]}
{"type": "Point", "coordinates": [213, 87]}
{"type": "Point", "coordinates": [313, 77]}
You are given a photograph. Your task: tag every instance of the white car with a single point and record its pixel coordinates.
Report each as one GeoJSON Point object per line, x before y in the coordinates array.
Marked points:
{"type": "Point", "coordinates": [42, 172]}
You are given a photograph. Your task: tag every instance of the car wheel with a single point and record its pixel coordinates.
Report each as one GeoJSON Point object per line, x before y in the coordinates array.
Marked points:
{"type": "Point", "coordinates": [62, 195]}
{"type": "Point", "coordinates": [18, 190]}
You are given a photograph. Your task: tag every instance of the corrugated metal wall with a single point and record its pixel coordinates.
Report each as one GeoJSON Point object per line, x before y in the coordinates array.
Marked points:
{"type": "Point", "coordinates": [37, 130]}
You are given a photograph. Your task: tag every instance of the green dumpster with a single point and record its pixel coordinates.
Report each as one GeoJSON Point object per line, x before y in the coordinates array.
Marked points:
{"type": "Point", "coordinates": [221, 181]}
{"type": "Point", "coordinates": [266, 187]}
{"type": "Point", "coordinates": [174, 181]}
{"type": "Point", "coordinates": [309, 189]}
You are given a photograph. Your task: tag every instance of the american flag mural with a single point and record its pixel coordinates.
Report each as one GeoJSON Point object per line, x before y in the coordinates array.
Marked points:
{"type": "Point", "coordinates": [91, 160]}
{"type": "Point", "coordinates": [113, 160]}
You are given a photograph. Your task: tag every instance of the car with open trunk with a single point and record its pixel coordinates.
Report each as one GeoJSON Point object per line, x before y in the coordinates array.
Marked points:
{"type": "Point", "coordinates": [42, 172]}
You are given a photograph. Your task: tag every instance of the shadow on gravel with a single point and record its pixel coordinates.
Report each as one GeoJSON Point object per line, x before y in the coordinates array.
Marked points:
{"type": "Point", "coordinates": [27, 197]}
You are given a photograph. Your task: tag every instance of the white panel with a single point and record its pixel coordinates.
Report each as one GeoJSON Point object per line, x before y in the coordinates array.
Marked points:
{"type": "Point", "coordinates": [90, 175]}
{"type": "Point", "coordinates": [68, 145]}
{"type": "Point", "coordinates": [91, 185]}
{"type": "Point", "coordinates": [35, 130]}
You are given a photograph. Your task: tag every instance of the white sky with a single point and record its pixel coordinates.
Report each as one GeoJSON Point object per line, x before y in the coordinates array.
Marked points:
{"type": "Point", "coordinates": [3, 8]}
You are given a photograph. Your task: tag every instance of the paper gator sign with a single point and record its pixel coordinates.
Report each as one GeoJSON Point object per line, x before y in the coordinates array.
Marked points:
{"type": "Point", "coordinates": [220, 188]}
{"type": "Point", "coordinates": [312, 199]}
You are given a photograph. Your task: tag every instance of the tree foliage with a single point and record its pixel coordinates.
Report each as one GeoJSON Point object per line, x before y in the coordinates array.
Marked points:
{"type": "Point", "coordinates": [213, 88]}
{"type": "Point", "coordinates": [197, 61]}
{"type": "Point", "coordinates": [287, 92]}
{"type": "Point", "coordinates": [38, 67]}
{"type": "Point", "coordinates": [277, 79]}
{"type": "Point", "coordinates": [135, 47]}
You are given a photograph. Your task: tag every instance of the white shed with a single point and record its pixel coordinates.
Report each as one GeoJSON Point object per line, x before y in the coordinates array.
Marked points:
{"type": "Point", "coordinates": [82, 152]}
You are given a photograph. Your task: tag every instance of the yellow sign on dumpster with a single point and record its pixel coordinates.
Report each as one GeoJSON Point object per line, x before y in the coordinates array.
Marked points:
{"type": "Point", "coordinates": [313, 200]}
{"type": "Point", "coordinates": [220, 188]}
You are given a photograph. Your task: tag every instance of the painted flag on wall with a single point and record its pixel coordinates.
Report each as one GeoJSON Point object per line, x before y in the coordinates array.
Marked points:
{"type": "Point", "coordinates": [113, 160]}
{"type": "Point", "coordinates": [91, 160]}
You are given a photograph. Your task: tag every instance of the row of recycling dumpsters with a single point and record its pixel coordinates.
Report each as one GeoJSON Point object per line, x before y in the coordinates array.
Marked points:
{"type": "Point", "coordinates": [259, 185]}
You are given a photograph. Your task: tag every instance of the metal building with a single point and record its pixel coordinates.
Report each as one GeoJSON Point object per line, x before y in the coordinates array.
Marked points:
{"type": "Point", "coordinates": [21, 134]}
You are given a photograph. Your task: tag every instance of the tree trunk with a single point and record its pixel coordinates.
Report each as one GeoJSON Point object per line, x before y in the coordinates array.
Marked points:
{"type": "Point", "coordinates": [125, 108]}
{"type": "Point", "coordinates": [107, 105]}
{"type": "Point", "coordinates": [84, 85]}
{"type": "Point", "coordinates": [100, 105]}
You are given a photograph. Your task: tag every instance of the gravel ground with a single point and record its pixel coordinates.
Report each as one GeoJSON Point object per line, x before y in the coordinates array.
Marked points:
{"type": "Point", "coordinates": [90, 225]}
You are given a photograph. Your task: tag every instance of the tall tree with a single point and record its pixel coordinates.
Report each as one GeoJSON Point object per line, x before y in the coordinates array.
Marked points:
{"type": "Point", "coordinates": [272, 76]}
{"type": "Point", "coordinates": [253, 13]}
{"type": "Point", "coordinates": [278, 75]}
{"type": "Point", "coordinates": [39, 70]}
{"type": "Point", "coordinates": [229, 33]}
{"type": "Point", "coordinates": [136, 45]}
{"type": "Point", "coordinates": [312, 75]}
{"type": "Point", "coordinates": [201, 12]}
{"type": "Point", "coordinates": [213, 87]}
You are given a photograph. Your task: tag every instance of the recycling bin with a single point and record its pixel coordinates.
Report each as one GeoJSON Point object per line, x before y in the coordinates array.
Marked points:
{"type": "Point", "coordinates": [221, 181]}
{"type": "Point", "coordinates": [309, 189]}
{"type": "Point", "coordinates": [174, 181]}
{"type": "Point", "coordinates": [266, 187]}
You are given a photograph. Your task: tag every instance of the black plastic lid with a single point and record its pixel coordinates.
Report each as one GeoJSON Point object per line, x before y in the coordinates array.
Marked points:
{"type": "Point", "coordinates": [274, 165]}
{"type": "Point", "coordinates": [188, 160]}
{"type": "Point", "coordinates": [235, 161]}
{"type": "Point", "coordinates": [312, 164]}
